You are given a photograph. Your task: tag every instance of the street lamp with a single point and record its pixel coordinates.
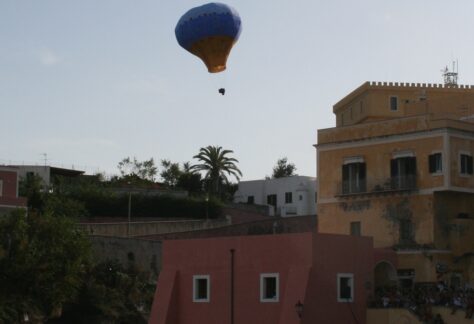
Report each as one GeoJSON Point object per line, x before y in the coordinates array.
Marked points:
{"type": "Point", "coordinates": [129, 208]}
{"type": "Point", "coordinates": [207, 207]}
{"type": "Point", "coordinates": [299, 308]}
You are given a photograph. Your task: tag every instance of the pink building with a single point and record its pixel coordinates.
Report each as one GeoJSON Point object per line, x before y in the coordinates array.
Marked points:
{"type": "Point", "coordinates": [9, 190]}
{"type": "Point", "coordinates": [274, 279]}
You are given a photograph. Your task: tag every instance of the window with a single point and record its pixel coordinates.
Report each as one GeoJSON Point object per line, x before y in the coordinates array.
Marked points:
{"type": "Point", "coordinates": [201, 291]}
{"type": "Point", "coordinates": [406, 231]}
{"type": "Point", "coordinates": [393, 103]}
{"type": "Point", "coordinates": [288, 197]}
{"type": "Point", "coordinates": [315, 197]}
{"type": "Point", "coordinates": [250, 200]}
{"type": "Point", "coordinates": [403, 172]}
{"type": "Point", "coordinates": [300, 197]}
{"type": "Point", "coordinates": [435, 163]}
{"type": "Point", "coordinates": [465, 161]}
{"type": "Point", "coordinates": [269, 287]}
{"type": "Point", "coordinates": [355, 228]}
{"type": "Point", "coordinates": [353, 178]}
{"type": "Point", "coordinates": [1, 188]}
{"type": "Point", "coordinates": [272, 200]}
{"type": "Point", "coordinates": [345, 287]}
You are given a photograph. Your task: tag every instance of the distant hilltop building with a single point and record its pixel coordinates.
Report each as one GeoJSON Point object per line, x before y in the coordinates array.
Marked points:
{"type": "Point", "coordinates": [45, 172]}
{"type": "Point", "coordinates": [288, 196]}
{"type": "Point", "coordinates": [398, 167]}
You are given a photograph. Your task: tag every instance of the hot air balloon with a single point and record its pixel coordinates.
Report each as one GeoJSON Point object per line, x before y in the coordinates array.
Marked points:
{"type": "Point", "coordinates": [209, 32]}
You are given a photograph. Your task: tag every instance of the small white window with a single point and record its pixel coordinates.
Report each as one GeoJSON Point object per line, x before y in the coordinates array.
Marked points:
{"type": "Point", "coordinates": [288, 197]}
{"type": "Point", "coordinates": [1, 188]}
{"type": "Point", "coordinates": [393, 103]}
{"type": "Point", "coordinates": [269, 287]}
{"type": "Point", "coordinates": [201, 289]}
{"type": "Point", "coordinates": [345, 287]}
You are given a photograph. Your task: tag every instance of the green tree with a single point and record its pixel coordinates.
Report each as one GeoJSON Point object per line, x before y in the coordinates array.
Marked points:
{"type": "Point", "coordinates": [32, 187]}
{"type": "Point", "coordinates": [41, 265]}
{"type": "Point", "coordinates": [171, 173]}
{"type": "Point", "coordinates": [216, 166]}
{"type": "Point", "coordinates": [189, 180]}
{"type": "Point", "coordinates": [134, 169]}
{"type": "Point", "coordinates": [283, 169]}
{"type": "Point", "coordinates": [109, 294]}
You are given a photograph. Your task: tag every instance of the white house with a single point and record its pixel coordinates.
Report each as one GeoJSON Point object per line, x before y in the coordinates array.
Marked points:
{"type": "Point", "coordinates": [289, 196]}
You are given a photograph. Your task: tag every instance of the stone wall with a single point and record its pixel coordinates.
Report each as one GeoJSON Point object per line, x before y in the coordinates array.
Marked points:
{"type": "Point", "coordinates": [141, 228]}
{"type": "Point", "coordinates": [275, 225]}
{"type": "Point", "coordinates": [144, 255]}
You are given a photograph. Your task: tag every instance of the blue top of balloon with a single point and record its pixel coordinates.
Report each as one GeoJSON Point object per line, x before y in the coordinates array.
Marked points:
{"type": "Point", "coordinates": [212, 19]}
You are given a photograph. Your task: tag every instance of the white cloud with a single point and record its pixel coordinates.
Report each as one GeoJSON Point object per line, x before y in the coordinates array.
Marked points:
{"type": "Point", "coordinates": [48, 57]}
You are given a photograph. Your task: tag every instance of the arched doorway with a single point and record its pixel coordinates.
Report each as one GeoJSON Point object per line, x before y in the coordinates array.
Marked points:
{"type": "Point", "coordinates": [385, 275]}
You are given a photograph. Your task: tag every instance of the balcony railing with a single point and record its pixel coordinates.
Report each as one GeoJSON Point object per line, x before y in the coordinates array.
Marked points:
{"type": "Point", "coordinates": [352, 187]}
{"type": "Point", "coordinates": [400, 183]}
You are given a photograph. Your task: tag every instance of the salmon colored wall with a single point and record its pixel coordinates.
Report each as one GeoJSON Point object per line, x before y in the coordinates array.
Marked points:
{"type": "Point", "coordinates": [289, 255]}
{"type": "Point", "coordinates": [334, 254]}
{"type": "Point", "coordinates": [296, 257]}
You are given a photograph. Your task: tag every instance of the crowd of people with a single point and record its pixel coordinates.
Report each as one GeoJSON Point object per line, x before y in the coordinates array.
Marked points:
{"type": "Point", "coordinates": [420, 300]}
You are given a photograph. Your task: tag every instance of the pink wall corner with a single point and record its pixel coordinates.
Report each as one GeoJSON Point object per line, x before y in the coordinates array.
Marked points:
{"type": "Point", "coordinates": [295, 291]}
{"type": "Point", "coordinates": [164, 308]}
{"type": "Point", "coordinates": [333, 254]}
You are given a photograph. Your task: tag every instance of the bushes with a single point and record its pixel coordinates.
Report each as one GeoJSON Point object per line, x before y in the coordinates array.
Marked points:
{"type": "Point", "coordinates": [113, 205]}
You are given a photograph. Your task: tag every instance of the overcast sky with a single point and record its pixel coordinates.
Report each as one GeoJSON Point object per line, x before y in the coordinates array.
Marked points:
{"type": "Point", "coordinates": [90, 82]}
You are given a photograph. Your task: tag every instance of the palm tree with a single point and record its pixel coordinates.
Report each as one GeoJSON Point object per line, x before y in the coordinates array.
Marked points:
{"type": "Point", "coordinates": [216, 165]}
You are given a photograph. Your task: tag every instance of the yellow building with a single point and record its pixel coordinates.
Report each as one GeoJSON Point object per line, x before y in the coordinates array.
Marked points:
{"type": "Point", "coordinates": [398, 166]}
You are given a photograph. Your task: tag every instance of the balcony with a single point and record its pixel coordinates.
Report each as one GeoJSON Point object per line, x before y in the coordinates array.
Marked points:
{"type": "Point", "coordinates": [377, 186]}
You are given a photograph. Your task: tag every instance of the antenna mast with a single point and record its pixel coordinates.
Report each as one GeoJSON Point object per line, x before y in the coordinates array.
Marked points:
{"type": "Point", "coordinates": [451, 77]}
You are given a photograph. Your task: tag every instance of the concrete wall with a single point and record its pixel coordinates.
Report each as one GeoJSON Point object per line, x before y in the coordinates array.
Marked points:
{"type": "Point", "coordinates": [120, 229]}
{"type": "Point", "coordinates": [144, 255]}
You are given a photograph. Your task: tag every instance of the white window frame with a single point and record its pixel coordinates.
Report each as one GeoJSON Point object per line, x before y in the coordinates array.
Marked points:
{"type": "Point", "coordinates": [264, 276]}
{"type": "Point", "coordinates": [195, 280]}
{"type": "Point", "coordinates": [390, 103]}
{"type": "Point", "coordinates": [459, 163]}
{"type": "Point", "coordinates": [345, 275]}
{"type": "Point", "coordinates": [290, 195]}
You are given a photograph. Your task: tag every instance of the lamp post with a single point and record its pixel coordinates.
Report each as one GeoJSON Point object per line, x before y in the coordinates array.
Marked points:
{"type": "Point", "coordinates": [207, 207]}
{"type": "Point", "coordinates": [129, 208]}
{"type": "Point", "coordinates": [299, 308]}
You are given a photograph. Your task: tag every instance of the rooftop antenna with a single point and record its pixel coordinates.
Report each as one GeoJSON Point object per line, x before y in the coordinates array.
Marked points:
{"type": "Point", "coordinates": [45, 158]}
{"type": "Point", "coordinates": [451, 77]}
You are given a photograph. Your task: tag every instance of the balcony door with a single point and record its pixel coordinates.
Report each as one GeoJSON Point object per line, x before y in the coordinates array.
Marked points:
{"type": "Point", "coordinates": [403, 172]}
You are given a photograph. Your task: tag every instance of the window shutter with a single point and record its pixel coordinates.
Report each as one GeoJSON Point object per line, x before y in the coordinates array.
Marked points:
{"type": "Point", "coordinates": [411, 166]}
{"type": "Point", "coordinates": [345, 172]}
{"type": "Point", "coordinates": [394, 168]}
{"type": "Point", "coordinates": [432, 163]}
{"type": "Point", "coordinates": [361, 171]}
